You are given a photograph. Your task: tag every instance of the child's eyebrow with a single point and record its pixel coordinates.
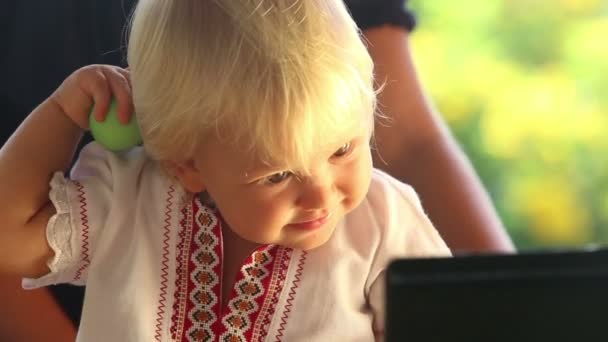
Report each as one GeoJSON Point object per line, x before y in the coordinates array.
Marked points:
{"type": "Point", "coordinates": [259, 169]}
{"type": "Point", "coordinates": [258, 172]}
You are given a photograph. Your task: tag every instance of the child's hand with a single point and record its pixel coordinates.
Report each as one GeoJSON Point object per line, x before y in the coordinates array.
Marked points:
{"type": "Point", "coordinates": [95, 84]}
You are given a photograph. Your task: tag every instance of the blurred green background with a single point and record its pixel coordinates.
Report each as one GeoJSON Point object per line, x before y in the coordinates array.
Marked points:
{"type": "Point", "coordinates": [524, 86]}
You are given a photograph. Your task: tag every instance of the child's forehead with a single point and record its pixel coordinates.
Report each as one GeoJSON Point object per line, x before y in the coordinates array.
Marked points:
{"type": "Point", "coordinates": [255, 161]}
{"type": "Point", "coordinates": [247, 153]}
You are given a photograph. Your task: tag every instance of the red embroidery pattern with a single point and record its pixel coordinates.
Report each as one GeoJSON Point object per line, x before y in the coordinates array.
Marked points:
{"type": "Point", "coordinates": [84, 221]}
{"type": "Point", "coordinates": [197, 313]}
{"type": "Point", "coordinates": [204, 276]}
{"type": "Point", "coordinates": [181, 284]}
{"type": "Point", "coordinates": [279, 274]}
{"type": "Point", "coordinates": [160, 311]}
{"type": "Point", "coordinates": [251, 293]}
{"type": "Point", "coordinates": [196, 307]}
{"type": "Point", "coordinates": [292, 294]}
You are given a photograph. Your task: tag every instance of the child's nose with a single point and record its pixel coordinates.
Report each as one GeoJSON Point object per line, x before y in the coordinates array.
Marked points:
{"type": "Point", "coordinates": [317, 194]}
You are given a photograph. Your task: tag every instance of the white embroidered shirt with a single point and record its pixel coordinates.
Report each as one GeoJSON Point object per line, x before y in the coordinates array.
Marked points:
{"type": "Point", "coordinates": [150, 255]}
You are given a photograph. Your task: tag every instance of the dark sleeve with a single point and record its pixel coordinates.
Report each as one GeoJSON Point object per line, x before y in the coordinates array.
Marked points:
{"type": "Point", "coordinates": [373, 13]}
{"type": "Point", "coordinates": [45, 41]}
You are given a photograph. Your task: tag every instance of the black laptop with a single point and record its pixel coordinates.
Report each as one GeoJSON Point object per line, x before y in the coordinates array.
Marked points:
{"type": "Point", "coordinates": [542, 296]}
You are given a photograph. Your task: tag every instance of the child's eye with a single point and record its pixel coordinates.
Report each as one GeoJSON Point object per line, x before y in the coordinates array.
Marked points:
{"type": "Point", "coordinates": [278, 177]}
{"type": "Point", "coordinates": [342, 151]}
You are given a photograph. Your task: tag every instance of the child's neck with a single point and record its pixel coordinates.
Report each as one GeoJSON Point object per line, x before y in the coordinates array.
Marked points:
{"type": "Point", "coordinates": [235, 245]}
{"type": "Point", "coordinates": [236, 250]}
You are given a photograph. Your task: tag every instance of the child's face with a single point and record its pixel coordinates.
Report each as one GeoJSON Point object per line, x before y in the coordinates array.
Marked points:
{"type": "Point", "coordinates": [273, 206]}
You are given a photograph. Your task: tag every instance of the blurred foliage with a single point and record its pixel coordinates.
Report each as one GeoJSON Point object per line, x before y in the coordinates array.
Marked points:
{"type": "Point", "coordinates": [522, 84]}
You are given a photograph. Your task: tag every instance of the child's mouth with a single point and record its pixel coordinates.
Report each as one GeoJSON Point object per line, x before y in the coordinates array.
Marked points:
{"type": "Point", "coordinates": [312, 224]}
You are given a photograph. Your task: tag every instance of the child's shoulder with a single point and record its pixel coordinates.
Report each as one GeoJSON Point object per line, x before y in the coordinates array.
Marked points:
{"type": "Point", "coordinates": [93, 158]}
{"type": "Point", "coordinates": [95, 153]}
{"type": "Point", "coordinates": [126, 171]}
{"type": "Point", "coordinates": [388, 202]}
{"type": "Point", "coordinates": [385, 190]}
{"type": "Point", "coordinates": [392, 219]}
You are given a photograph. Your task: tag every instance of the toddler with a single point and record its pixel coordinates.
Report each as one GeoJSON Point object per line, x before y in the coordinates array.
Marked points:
{"type": "Point", "coordinates": [252, 211]}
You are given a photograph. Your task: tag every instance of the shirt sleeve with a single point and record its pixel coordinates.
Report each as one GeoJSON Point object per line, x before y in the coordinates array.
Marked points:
{"type": "Point", "coordinates": [405, 230]}
{"type": "Point", "coordinates": [84, 202]}
{"type": "Point", "coordinates": [375, 13]}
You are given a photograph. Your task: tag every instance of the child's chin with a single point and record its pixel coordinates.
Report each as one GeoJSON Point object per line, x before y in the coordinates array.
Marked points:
{"type": "Point", "coordinates": [312, 242]}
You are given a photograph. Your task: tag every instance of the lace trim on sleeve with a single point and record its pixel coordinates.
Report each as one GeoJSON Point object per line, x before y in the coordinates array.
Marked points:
{"type": "Point", "coordinates": [59, 228]}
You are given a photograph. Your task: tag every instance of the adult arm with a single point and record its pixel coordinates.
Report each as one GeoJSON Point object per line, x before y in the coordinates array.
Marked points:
{"type": "Point", "coordinates": [417, 147]}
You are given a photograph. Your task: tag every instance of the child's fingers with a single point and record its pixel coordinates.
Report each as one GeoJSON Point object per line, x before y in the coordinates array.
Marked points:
{"type": "Point", "coordinates": [99, 88]}
{"type": "Point", "coordinates": [127, 75]}
{"type": "Point", "coordinates": [121, 90]}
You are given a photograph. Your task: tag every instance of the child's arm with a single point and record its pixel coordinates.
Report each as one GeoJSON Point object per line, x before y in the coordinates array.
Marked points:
{"type": "Point", "coordinates": [16, 312]}
{"type": "Point", "coordinates": [43, 144]}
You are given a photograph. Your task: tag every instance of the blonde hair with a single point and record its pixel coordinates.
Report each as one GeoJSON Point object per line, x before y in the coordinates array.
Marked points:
{"type": "Point", "coordinates": [282, 78]}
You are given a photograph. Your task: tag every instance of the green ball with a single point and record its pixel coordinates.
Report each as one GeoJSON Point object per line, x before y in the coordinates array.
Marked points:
{"type": "Point", "coordinates": [112, 134]}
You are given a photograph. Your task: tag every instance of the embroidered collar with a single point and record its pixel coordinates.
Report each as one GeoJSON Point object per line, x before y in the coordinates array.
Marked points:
{"type": "Point", "coordinates": [197, 314]}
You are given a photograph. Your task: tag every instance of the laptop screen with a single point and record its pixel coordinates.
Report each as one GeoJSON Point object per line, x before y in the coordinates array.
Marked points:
{"type": "Point", "coordinates": [549, 296]}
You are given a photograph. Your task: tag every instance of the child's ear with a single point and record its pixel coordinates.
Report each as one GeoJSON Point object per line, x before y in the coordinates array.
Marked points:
{"type": "Point", "coordinates": [187, 174]}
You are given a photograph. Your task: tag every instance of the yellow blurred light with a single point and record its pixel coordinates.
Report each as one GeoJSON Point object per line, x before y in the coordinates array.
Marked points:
{"type": "Point", "coordinates": [554, 210]}
{"type": "Point", "coordinates": [578, 6]}
{"type": "Point", "coordinates": [541, 108]}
